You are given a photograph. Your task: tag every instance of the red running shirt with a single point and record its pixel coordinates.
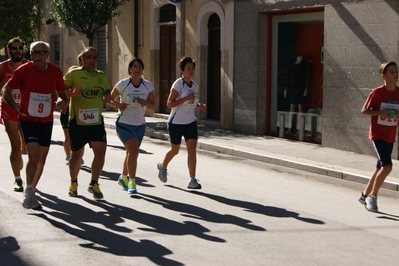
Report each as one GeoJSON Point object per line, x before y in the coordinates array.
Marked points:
{"type": "Point", "coordinates": [381, 99]}
{"type": "Point", "coordinates": [37, 90]}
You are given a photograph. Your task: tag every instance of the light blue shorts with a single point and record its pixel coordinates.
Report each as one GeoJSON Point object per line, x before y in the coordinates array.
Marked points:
{"type": "Point", "coordinates": [126, 132]}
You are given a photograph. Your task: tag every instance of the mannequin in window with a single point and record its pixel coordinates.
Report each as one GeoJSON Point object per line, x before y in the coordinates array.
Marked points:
{"type": "Point", "coordinates": [297, 88]}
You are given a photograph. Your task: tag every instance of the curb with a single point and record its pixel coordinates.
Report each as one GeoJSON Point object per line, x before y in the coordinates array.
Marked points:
{"type": "Point", "coordinates": [272, 160]}
{"type": "Point", "coordinates": [281, 162]}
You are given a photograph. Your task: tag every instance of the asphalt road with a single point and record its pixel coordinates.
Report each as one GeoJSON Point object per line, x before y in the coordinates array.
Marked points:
{"type": "Point", "coordinates": [248, 213]}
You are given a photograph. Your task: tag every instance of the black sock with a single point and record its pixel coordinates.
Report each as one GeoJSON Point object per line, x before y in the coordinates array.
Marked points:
{"type": "Point", "coordinates": [93, 182]}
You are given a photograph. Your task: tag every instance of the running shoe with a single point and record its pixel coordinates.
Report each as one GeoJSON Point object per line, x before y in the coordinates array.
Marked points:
{"type": "Point", "coordinates": [18, 185]}
{"type": "Point", "coordinates": [95, 190]}
{"type": "Point", "coordinates": [371, 203]}
{"type": "Point", "coordinates": [73, 189]}
{"type": "Point", "coordinates": [28, 198]}
{"type": "Point", "coordinates": [362, 199]}
{"type": "Point", "coordinates": [67, 159]}
{"type": "Point", "coordinates": [132, 187]}
{"type": "Point", "coordinates": [194, 184]}
{"type": "Point", "coordinates": [35, 203]}
{"type": "Point", "coordinates": [162, 174]}
{"type": "Point", "coordinates": [123, 181]}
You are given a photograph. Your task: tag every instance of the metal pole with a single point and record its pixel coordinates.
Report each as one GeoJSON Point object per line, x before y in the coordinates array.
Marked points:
{"type": "Point", "coordinates": [281, 126]}
{"type": "Point", "coordinates": [302, 128]}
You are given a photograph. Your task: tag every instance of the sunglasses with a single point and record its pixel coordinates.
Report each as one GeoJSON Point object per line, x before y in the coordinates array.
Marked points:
{"type": "Point", "coordinates": [14, 48]}
{"type": "Point", "coordinates": [39, 52]}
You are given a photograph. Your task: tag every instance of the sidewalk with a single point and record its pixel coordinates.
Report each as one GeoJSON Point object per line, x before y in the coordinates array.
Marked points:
{"type": "Point", "coordinates": [293, 154]}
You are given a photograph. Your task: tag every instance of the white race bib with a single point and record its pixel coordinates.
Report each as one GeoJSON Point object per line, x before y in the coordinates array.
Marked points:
{"type": "Point", "coordinates": [16, 94]}
{"type": "Point", "coordinates": [88, 116]}
{"type": "Point", "coordinates": [385, 120]}
{"type": "Point", "coordinates": [134, 98]}
{"type": "Point", "coordinates": [39, 104]}
{"type": "Point", "coordinates": [191, 104]}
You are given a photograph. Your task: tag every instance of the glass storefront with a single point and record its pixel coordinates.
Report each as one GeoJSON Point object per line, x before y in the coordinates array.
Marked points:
{"type": "Point", "coordinates": [297, 76]}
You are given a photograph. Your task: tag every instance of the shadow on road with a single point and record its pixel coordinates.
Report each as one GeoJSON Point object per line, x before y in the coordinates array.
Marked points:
{"type": "Point", "coordinates": [117, 239]}
{"type": "Point", "coordinates": [388, 216]}
{"type": "Point", "coordinates": [254, 207]}
{"type": "Point", "coordinates": [7, 246]}
{"type": "Point", "coordinates": [114, 176]}
{"type": "Point", "coordinates": [201, 213]}
{"type": "Point", "coordinates": [76, 219]}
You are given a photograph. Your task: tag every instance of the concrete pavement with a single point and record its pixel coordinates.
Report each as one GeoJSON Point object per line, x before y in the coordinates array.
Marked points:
{"type": "Point", "coordinates": [294, 154]}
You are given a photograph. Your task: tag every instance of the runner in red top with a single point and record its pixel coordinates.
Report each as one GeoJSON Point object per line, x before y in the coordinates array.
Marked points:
{"type": "Point", "coordinates": [382, 106]}
{"type": "Point", "coordinates": [8, 116]}
{"type": "Point", "coordinates": [38, 82]}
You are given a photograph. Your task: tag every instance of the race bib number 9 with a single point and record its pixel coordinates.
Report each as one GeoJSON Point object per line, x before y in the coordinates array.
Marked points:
{"type": "Point", "coordinates": [39, 105]}
{"type": "Point", "coordinates": [385, 120]}
{"type": "Point", "coordinates": [88, 116]}
{"type": "Point", "coordinates": [16, 95]}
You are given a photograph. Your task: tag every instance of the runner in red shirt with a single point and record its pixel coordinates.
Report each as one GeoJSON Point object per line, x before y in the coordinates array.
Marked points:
{"type": "Point", "coordinates": [8, 117]}
{"type": "Point", "coordinates": [38, 81]}
{"type": "Point", "coordinates": [382, 105]}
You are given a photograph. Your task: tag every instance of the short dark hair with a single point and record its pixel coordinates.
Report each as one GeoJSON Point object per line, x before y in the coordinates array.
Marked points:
{"type": "Point", "coordinates": [184, 60]}
{"type": "Point", "coordinates": [15, 39]}
{"type": "Point", "coordinates": [384, 66]}
{"type": "Point", "coordinates": [131, 63]}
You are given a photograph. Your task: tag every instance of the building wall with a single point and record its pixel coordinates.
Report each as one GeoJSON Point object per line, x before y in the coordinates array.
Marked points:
{"type": "Point", "coordinates": [247, 85]}
{"type": "Point", "coordinates": [192, 40]}
{"type": "Point", "coordinates": [71, 42]}
{"type": "Point", "coordinates": [358, 37]}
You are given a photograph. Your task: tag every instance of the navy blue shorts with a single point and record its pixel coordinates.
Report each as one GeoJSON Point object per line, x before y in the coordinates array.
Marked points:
{"type": "Point", "coordinates": [176, 132]}
{"type": "Point", "coordinates": [126, 132]}
{"type": "Point", "coordinates": [37, 132]}
{"type": "Point", "coordinates": [384, 151]}
{"type": "Point", "coordinates": [81, 135]}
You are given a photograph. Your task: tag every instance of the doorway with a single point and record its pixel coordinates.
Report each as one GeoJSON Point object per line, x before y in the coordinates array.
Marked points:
{"type": "Point", "coordinates": [213, 68]}
{"type": "Point", "coordinates": [167, 65]}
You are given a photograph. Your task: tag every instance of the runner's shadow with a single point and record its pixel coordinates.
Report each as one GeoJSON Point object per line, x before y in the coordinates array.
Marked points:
{"type": "Point", "coordinates": [157, 224]}
{"type": "Point", "coordinates": [114, 176]}
{"type": "Point", "coordinates": [254, 207]}
{"type": "Point", "coordinates": [57, 142]}
{"type": "Point", "coordinates": [78, 220]}
{"type": "Point", "coordinates": [121, 147]}
{"type": "Point", "coordinates": [196, 212]}
{"type": "Point", "coordinates": [7, 246]}
{"type": "Point", "coordinates": [388, 216]}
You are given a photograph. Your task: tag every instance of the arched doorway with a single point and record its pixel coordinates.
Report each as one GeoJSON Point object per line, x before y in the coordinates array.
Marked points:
{"type": "Point", "coordinates": [213, 68]}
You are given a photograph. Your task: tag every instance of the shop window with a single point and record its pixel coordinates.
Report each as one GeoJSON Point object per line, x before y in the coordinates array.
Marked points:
{"type": "Point", "coordinates": [297, 76]}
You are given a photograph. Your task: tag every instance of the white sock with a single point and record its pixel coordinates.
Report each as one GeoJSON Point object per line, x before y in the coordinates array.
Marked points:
{"type": "Point", "coordinates": [17, 177]}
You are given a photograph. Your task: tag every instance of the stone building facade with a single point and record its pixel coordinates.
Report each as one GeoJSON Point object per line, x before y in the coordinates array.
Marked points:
{"type": "Point", "coordinates": [297, 69]}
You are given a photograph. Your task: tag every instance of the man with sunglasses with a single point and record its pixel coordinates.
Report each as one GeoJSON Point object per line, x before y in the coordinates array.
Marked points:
{"type": "Point", "coordinates": [38, 80]}
{"type": "Point", "coordinates": [88, 88]}
{"type": "Point", "coordinates": [8, 117]}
